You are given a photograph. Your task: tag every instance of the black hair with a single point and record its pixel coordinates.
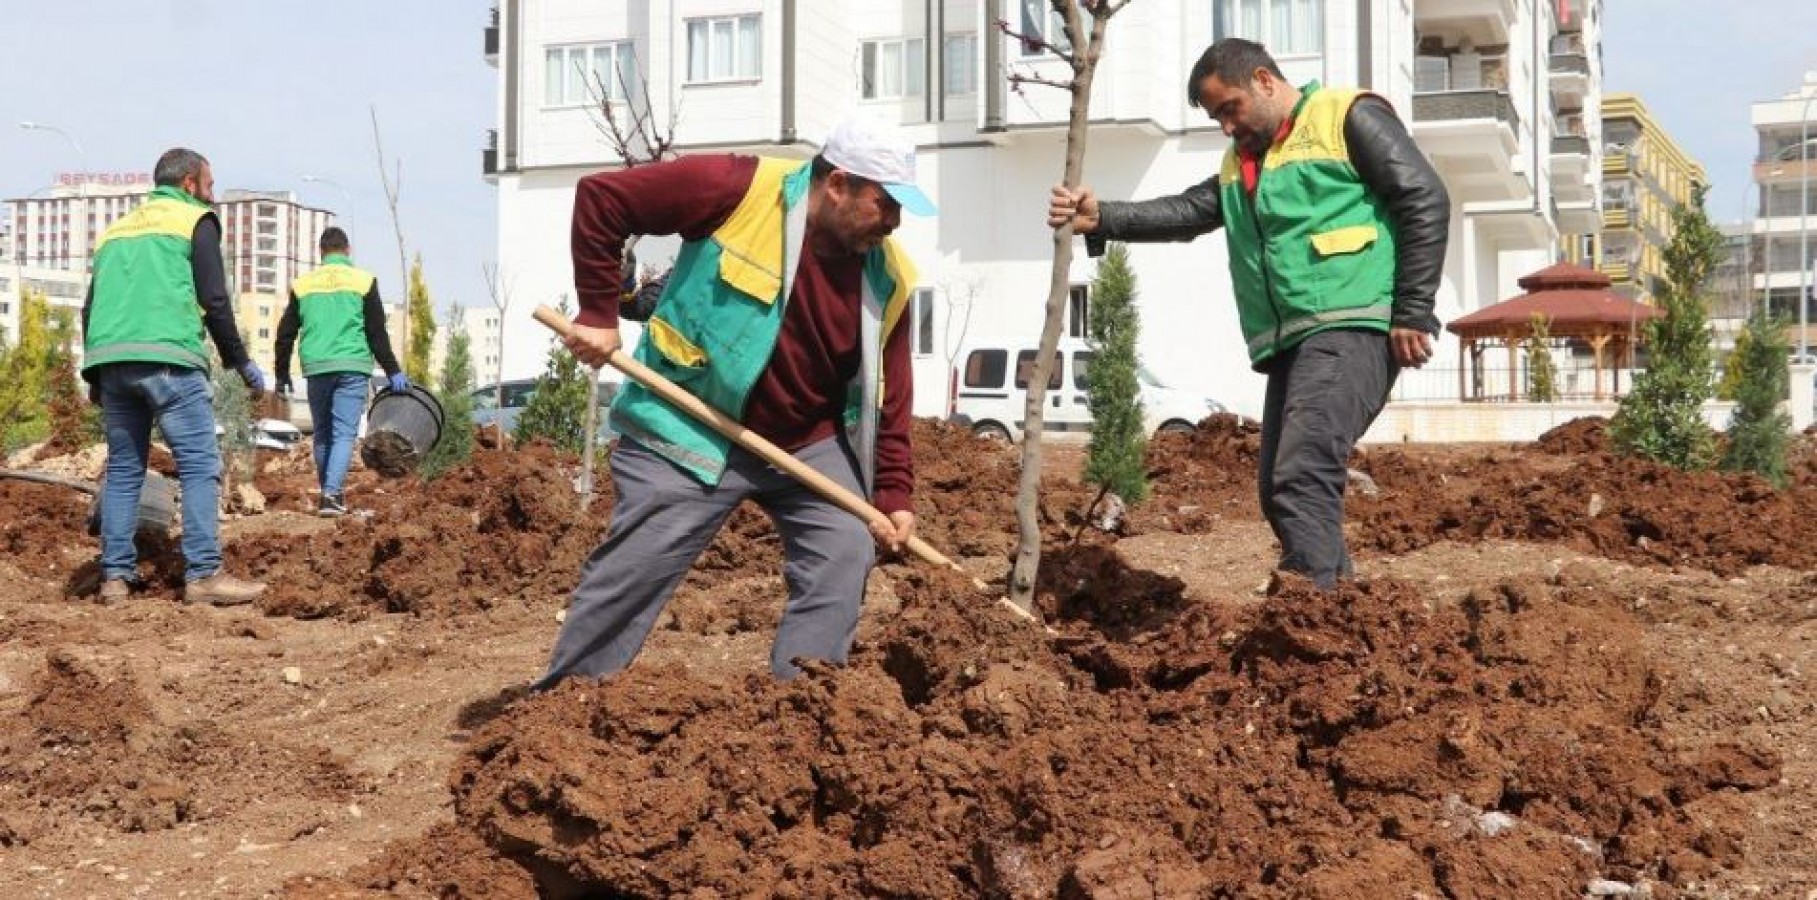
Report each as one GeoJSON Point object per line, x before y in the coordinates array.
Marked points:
{"type": "Point", "coordinates": [1234, 61]}
{"type": "Point", "coordinates": [176, 165]}
{"type": "Point", "coordinates": [334, 240]}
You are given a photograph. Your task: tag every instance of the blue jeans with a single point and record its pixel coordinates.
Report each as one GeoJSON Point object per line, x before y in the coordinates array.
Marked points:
{"type": "Point", "coordinates": [133, 396]}
{"type": "Point", "coordinates": [335, 402]}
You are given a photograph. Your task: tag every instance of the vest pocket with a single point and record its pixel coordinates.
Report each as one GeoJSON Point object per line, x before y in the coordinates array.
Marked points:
{"type": "Point", "coordinates": [1339, 241]}
{"type": "Point", "coordinates": [684, 358]}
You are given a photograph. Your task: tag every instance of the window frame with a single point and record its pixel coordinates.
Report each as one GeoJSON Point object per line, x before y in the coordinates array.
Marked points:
{"type": "Point", "coordinates": [737, 74]}
{"type": "Point", "coordinates": [621, 52]}
{"type": "Point", "coordinates": [969, 54]}
{"type": "Point", "coordinates": [1264, 35]}
{"type": "Point", "coordinates": [912, 74]}
{"type": "Point", "coordinates": [921, 321]}
{"type": "Point", "coordinates": [1056, 25]}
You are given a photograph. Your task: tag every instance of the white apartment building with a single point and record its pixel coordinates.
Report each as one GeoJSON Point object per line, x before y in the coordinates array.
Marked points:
{"type": "Point", "coordinates": [1503, 95]}
{"type": "Point", "coordinates": [482, 327]}
{"type": "Point", "coordinates": [267, 240]}
{"type": "Point", "coordinates": [1785, 172]}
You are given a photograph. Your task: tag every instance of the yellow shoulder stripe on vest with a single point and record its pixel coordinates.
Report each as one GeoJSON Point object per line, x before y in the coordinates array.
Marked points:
{"type": "Point", "coordinates": [157, 217]}
{"type": "Point", "coordinates": [750, 241]}
{"type": "Point", "coordinates": [333, 280]}
{"type": "Point", "coordinates": [1318, 131]}
{"type": "Point", "coordinates": [902, 270]}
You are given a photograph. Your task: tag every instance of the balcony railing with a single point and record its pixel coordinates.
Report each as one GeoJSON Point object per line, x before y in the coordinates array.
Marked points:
{"type": "Point", "coordinates": [1563, 144]}
{"type": "Point", "coordinates": [1457, 105]}
{"type": "Point", "coordinates": [1569, 64]}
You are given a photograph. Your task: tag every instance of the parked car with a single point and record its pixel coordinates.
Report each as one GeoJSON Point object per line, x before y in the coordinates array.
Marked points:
{"type": "Point", "coordinates": [988, 393]}
{"type": "Point", "coordinates": [270, 434]}
{"type": "Point", "coordinates": [490, 408]}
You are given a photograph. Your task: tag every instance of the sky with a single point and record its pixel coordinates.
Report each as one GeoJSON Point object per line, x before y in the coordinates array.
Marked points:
{"type": "Point", "coordinates": [1698, 65]}
{"type": "Point", "coordinates": [271, 91]}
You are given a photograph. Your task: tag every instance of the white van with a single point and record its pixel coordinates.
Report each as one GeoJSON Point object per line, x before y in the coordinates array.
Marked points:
{"type": "Point", "coordinates": [989, 389]}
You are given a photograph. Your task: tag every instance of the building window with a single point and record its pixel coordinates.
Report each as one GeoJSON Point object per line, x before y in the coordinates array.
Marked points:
{"type": "Point", "coordinates": [893, 69]}
{"type": "Point", "coordinates": [1285, 27]}
{"type": "Point", "coordinates": [922, 309]}
{"type": "Point", "coordinates": [1078, 311]}
{"type": "Point", "coordinates": [961, 64]}
{"type": "Point", "coordinates": [1041, 22]}
{"type": "Point", "coordinates": [724, 49]}
{"type": "Point", "coordinates": [573, 75]}
{"type": "Point", "coordinates": [264, 333]}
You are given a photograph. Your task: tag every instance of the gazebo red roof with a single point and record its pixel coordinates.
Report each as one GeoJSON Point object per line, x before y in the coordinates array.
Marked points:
{"type": "Point", "coordinates": [1576, 301]}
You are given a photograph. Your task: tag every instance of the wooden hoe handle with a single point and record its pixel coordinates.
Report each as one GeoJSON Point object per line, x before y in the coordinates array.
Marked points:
{"type": "Point", "coordinates": [752, 441]}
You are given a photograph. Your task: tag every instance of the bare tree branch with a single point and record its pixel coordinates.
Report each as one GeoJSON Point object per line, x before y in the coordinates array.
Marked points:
{"type": "Point", "coordinates": [394, 185]}
{"type": "Point", "coordinates": [632, 133]}
{"type": "Point", "coordinates": [1038, 42]}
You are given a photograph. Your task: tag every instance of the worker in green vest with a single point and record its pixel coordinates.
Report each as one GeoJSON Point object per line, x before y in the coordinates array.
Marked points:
{"type": "Point", "coordinates": [1336, 227]}
{"type": "Point", "coordinates": [158, 286]}
{"type": "Point", "coordinates": [336, 307]}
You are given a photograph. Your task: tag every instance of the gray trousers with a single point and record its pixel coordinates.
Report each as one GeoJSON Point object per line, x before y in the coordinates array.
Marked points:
{"type": "Point", "coordinates": [664, 518]}
{"type": "Point", "coordinates": [1322, 395]}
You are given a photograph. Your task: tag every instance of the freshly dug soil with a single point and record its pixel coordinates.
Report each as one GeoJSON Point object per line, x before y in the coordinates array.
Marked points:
{"type": "Point", "coordinates": [1297, 749]}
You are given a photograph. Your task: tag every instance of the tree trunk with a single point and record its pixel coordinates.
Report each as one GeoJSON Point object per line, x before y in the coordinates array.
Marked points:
{"type": "Point", "coordinates": [1028, 491]}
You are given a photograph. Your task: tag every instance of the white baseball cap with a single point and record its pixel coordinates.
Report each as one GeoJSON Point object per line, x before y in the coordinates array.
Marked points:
{"type": "Point", "coordinates": [880, 152]}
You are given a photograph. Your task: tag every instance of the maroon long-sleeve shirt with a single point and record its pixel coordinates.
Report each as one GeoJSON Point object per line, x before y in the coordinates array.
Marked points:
{"type": "Point", "coordinates": [800, 397]}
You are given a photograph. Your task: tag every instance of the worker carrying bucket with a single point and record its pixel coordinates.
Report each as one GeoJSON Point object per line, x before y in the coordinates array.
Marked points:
{"type": "Point", "coordinates": [337, 310]}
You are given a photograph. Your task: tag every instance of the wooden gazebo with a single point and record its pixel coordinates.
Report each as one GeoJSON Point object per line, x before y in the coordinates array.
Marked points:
{"type": "Point", "coordinates": [1577, 304]}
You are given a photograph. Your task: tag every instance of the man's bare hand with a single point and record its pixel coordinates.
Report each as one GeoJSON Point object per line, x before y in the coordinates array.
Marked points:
{"type": "Point", "coordinates": [896, 534]}
{"type": "Point", "coordinates": [592, 345]}
{"type": "Point", "coordinates": [1078, 206]}
{"type": "Point", "coordinates": [1411, 346]}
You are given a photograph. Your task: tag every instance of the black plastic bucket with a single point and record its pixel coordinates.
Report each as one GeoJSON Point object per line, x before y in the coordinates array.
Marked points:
{"type": "Point", "coordinates": [157, 506]}
{"type": "Point", "coordinates": [401, 429]}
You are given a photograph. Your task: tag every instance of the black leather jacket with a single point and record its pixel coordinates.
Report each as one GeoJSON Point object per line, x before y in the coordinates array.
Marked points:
{"type": "Point", "coordinates": [1389, 163]}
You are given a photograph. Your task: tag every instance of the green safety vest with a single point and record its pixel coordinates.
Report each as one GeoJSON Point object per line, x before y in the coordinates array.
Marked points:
{"type": "Point", "coordinates": [716, 324]}
{"type": "Point", "coordinates": [144, 307]}
{"type": "Point", "coordinates": [1313, 249]}
{"type": "Point", "coordinates": [331, 306]}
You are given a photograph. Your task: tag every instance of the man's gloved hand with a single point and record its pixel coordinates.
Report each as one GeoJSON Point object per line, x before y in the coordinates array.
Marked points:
{"type": "Point", "coordinates": [398, 383]}
{"type": "Point", "coordinates": [284, 389]}
{"type": "Point", "coordinates": [255, 379]}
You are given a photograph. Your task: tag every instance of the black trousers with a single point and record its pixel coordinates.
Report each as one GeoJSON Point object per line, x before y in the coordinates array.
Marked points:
{"type": "Point", "coordinates": [1322, 395]}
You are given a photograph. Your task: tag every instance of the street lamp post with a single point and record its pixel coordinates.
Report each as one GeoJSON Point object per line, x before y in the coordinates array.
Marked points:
{"type": "Point", "coordinates": [353, 222]}
{"type": "Point", "coordinates": [1804, 209]}
{"type": "Point", "coordinates": [41, 126]}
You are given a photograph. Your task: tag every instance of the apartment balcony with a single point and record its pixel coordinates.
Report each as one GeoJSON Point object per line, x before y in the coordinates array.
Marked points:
{"type": "Point", "coordinates": [492, 39]}
{"type": "Point", "coordinates": [1581, 217]}
{"type": "Point", "coordinates": [1787, 221]}
{"type": "Point", "coordinates": [1570, 164]}
{"type": "Point", "coordinates": [1619, 271]}
{"type": "Point", "coordinates": [1486, 22]}
{"type": "Point", "coordinates": [488, 157]}
{"type": "Point", "coordinates": [1616, 218]}
{"type": "Point", "coordinates": [1472, 139]}
{"type": "Point", "coordinates": [1569, 75]}
{"type": "Point", "coordinates": [1785, 171]}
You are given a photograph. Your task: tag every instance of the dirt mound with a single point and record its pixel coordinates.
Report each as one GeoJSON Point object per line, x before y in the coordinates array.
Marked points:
{"type": "Point", "coordinates": [88, 744]}
{"type": "Point", "coordinates": [505, 525]}
{"type": "Point", "coordinates": [45, 532]}
{"type": "Point", "coordinates": [1300, 748]}
{"type": "Point", "coordinates": [1614, 506]}
{"type": "Point", "coordinates": [1203, 476]}
{"type": "Point", "coordinates": [1589, 434]}
{"type": "Point", "coordinates": [445, 862]}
